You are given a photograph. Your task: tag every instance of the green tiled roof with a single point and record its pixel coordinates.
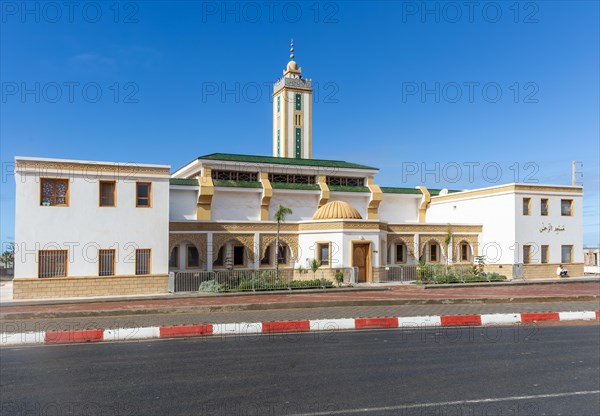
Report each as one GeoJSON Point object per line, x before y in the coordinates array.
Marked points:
{"type": "Point", "coordinates": [285, 161]}
{"type": "Point", "coordinates": [412, 191]}
{"type": "Point", "coordinates": [341, 188]}
{"type": "Point", "coordinates": [183, 181]}
{"type": "Point", "coordinates": [298, 186]}
{"type": "Point", "coordinates": [237, 184]}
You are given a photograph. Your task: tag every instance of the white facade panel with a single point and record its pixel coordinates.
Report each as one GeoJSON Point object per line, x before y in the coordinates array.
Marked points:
{"type": "Point", "coordinates": [302, 204]}
{"type": "Point", "coordinates": [398, 208]}
{"type": "Point", "coordinates": [83, 226]}
{"type": "Point", "coordinates": [182, 204]}
{"type": "Point", "coordinates": [238, 204]}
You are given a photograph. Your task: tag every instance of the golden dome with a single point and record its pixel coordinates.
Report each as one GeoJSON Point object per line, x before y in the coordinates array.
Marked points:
{"type": "Point", "coordinates": [292, 67]}
{"type": "Point", "coordinates": [337, 210]}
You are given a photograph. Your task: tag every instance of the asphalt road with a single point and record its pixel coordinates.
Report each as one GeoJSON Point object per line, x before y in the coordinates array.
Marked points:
{"type": "Point", "coordinates": [512, 371]}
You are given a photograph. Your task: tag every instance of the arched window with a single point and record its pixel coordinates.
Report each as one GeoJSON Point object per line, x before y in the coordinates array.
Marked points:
{"type": "Point", "coordinates": [434, 252]}
{"type": "Point", "coordinates": [174, 258]}
{"type": "Point", "coordinates": [465, 251]}
{"type": "Point", "coordinates": [401, 253]}
{"type": "Point", "coordinates": [192, 256]}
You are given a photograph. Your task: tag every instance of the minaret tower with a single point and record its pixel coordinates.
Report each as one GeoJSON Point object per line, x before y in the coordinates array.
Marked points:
{"type": "Point", "coordinates": [292, 113]}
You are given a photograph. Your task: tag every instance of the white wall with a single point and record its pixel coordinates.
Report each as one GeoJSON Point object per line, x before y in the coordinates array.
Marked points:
{"type": "Point", "coordinates": [303, 203]}
{"type": "Point", "coordinates": [236, 204]}
{"type": "Point", "coordinates": [528, 227]}
{"type": "Point", "coordinates": [495, 212]}
{"type": "Point", "coordinates": [506, 229]}
{"type": "Point", "coordinates": [83, 226]}
{"type": "Point", "coordinates": [182, 203]}
{"type": "Point", "coordinates": [359, 200]}
{"type": "Point", "coordinates": [399, 208]}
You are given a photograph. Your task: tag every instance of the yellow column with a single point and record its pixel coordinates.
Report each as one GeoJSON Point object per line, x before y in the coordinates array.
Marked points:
{"type": "Point", "coordinates": [267, 194]}
{"type": "Point", "coordinates": [207, 190]}
{"type": "Point", "coordinates": [424, 203]}
{"type": "Point", "coordinates": [376, 198]}
{"type": "Point", "coordinates": [322, 181]}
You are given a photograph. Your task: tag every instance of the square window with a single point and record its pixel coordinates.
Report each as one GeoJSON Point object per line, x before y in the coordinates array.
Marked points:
{"type": "Point", "coordinates": [142, 261]}
{"type": "Point", "coordinates": [526, 254]}
{"type": "Point", "coordinates": [107, 193]}
{"type": "Point", "coordinates": [544, 207]}
{"type": "Point", "coordinates": [566, 254]}
{"type": "Point", "coordinates": [323, 253]}
{"type": "Point", "coordinates": [106, 262]}
{"type": "Point", "coordinates": [566, 207]}
{"type": "Point", "coordinates": [143, 194]}
{"type": "Point", "coordinates": [52, 263]}
{"type": "Point", "coordinates": [526, 206]}
{"type": "Point", "coordinates": [545, 254]}
{"type": "Point", "coordinates": [54, 192]}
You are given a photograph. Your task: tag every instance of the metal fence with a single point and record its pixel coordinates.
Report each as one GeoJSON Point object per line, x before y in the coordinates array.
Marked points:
{"type": "Point", "coordinates": [398, 274]}
{"type": "Point", "coordinates": [258, 280]}
{"type": "Point", "coordinates": [436, 274]}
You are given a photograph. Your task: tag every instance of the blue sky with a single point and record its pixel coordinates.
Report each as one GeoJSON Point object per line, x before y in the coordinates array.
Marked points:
{"type": "Point", "coordinates": [469, 97]}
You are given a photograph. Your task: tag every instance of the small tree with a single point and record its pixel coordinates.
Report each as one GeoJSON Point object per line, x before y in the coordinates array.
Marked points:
{"type": "Point", "coordinates": [8, 257]}
{"type": "Point", "coordinates": [279, 216]}
{"type": "Point", "coordinates": [314, 265]}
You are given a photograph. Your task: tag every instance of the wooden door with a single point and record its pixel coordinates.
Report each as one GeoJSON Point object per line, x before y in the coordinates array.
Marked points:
{"type": "Point", "coordinates": [360, 257]}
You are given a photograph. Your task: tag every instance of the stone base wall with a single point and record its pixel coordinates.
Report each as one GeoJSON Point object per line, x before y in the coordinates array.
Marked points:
{"type": "Point", "coordinates": [70, 287]}
{"type": "Point", "coordinates": [503, 269]}
{"type": "Point", "coordinates": [535, 271]}
{"type": "Point", "coordinates": [548, 270]}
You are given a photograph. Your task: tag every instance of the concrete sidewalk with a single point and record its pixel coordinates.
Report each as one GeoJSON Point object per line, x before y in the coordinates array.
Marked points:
{"type": "Point", "coordinates": [389, 296]}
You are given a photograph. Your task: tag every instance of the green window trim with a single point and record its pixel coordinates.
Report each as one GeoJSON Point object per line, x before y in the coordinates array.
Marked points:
{"type": "Point", "coordinates": [278, 142]}
{"type": "Point", "coordinates": [298, 143]}
{"type": "Point", "coordinates": [298, 102]}
{"type": "Point", "coordinates": [278, 104]}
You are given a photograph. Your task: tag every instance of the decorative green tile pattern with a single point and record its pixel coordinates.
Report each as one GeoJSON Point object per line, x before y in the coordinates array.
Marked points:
{"type": "Point", "coordinates": [284, 161]}
{"type": "Point", "coordinates": [183, 182]}
{"type": "Point", "coordinates": [237, 184]}
{"type": "Point", "coordinates": [340, 188]}
{"type": "Point", "coordinates": [297, 186]}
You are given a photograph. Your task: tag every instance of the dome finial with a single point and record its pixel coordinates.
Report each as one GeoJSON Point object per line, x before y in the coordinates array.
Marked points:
{"type": "Point", "coordinates": [292, 49]}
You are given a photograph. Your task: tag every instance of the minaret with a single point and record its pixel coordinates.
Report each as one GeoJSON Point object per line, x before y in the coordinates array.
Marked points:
{"type": "Point", "coordinates": [292, 113]}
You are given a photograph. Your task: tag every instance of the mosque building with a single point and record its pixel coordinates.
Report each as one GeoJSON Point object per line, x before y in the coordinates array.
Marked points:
{"type": "Point", "coordinates": [88, 228]}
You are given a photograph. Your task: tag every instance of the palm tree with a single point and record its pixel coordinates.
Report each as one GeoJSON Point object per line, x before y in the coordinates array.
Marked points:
{"type": "Point", "coordinates": [279, 216]}
{"type": "Point", "coordinates": [448, 242]}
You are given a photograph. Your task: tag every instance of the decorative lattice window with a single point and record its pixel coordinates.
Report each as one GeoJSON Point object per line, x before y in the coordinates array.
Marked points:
{"type": "Point", "coordinates": [54, 192]}
{"type": "Point", "coordinates": [283, 178]}
{"type": "Point", "coordinates": [345, 181]}
{"type": "Point", "coordinates": [232, 175]}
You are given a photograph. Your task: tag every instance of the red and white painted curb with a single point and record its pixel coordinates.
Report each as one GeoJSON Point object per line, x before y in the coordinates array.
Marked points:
{"type": "Point", "coordinates": [246, 328]}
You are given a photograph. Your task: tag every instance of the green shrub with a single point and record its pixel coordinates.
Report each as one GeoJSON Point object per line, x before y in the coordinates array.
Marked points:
{"type": "Point", "coordinates": [210, 286]}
